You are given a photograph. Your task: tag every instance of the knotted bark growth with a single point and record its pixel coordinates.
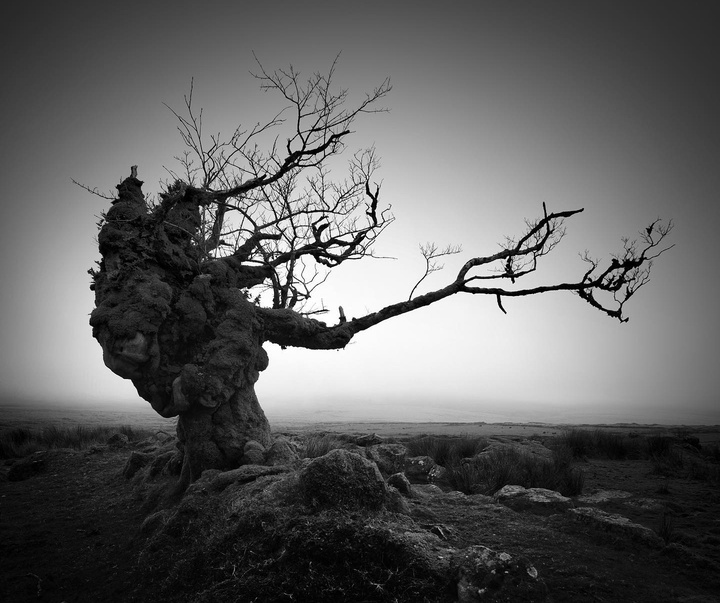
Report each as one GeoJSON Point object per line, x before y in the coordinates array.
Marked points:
{"type": "Point", "coordinates": [188, 339]}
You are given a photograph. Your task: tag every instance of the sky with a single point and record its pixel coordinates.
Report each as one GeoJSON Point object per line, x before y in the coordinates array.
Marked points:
{"type": "Point", "coordinates": [496, 108]}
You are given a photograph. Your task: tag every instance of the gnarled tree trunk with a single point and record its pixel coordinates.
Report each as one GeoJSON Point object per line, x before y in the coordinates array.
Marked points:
{"type": "Point", "coordinates": [188, 339]}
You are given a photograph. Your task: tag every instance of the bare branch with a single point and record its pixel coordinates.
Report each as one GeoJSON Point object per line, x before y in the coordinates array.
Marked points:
{"type": "Point", "coordinates": [430, 253]}
{"type": "Point", "coordinates": [94, 191]}
{"type": "Point", "coordinates": [619, 281]}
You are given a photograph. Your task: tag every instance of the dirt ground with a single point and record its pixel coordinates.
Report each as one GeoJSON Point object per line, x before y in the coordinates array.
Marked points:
{"type": "Point", "coordinates": [71, 532]}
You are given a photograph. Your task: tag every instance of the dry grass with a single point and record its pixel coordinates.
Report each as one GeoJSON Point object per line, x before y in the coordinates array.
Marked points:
{"type": "Point", "coordinates": [486, 474]}
{"type": "Point", "coordinates": [319, 444]}
{"type": "Point", "coordinates": [446, 450]}
{"type": "Point", "coordinates": [19, 442]}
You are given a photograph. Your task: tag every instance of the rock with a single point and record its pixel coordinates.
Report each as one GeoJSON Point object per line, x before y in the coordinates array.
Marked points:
{"type": "Point", "coordinates": [282, 452]}
{"type": "Point", "coordinates": [390, 458]}
{"type": "Point", "coordinates": [618, 524]}
{"type": "Point", "coordinates": [342, 479]}
{"type": "Point", "coordinates": [602, 496]}
{"type": "Point", "coordinates": [418, 469]}
{"type": "Point", "coordinates": [253, 445]}
{"type": "Point", "coordinates": [439, 475]}
{"type": "Point", "coordinates": [396, 502]}
{"type": "Point", "coordinates": [148, 445]}
{"type": "Point", "coordinates": [539, 501]}
{"type": "Point", "coordinates": [483, 574]}
{"type": "Point", "coordinates": [118, 440]}
{"type": "Point", "coordinates": [136, 461]}
{"type": "Point", "coordinates": [27, 467]}
{"type": "Point", "coordinates": [252, 457]}
{"type": "Point", "coordinates": [253, 453]}
{"type": "Point", "coordinates": [368, 440]}
{"type": "Point", "coordinates": [401, 482]}
{"type": "Point", "coordinates": [213, 480]}
{"type": "Point", "coordinates": [646, 504]}
{"type": "Point", "coordinates": [166, 462]}
{"type": "Point", "coordinates": [154, 522]}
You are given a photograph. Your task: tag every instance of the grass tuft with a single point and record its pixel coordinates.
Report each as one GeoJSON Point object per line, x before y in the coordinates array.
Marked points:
{"type": "Point", "coordinates": [599, 443]}
{"type": "Point", "coordinates": [446, 450]}
{"type": "Point", "coordinates": [319, 444]}
{"type": "Point", "coordinates": [486, 474]}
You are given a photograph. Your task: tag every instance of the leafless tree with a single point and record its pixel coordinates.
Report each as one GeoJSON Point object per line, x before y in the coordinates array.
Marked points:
{"type": "Point", "coordinates": [229, 257]}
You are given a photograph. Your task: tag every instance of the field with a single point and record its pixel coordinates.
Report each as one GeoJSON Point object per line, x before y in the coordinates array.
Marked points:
{"type": "Point", "coordinates": [76, 529]}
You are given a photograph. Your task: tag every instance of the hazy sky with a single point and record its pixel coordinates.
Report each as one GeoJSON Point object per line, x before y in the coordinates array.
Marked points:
{"type": "Point", "coordinates": [496, 107]}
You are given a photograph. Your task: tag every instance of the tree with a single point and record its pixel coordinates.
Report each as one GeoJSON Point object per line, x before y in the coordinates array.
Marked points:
{"type": "Point", "coordinates": [191, 286]}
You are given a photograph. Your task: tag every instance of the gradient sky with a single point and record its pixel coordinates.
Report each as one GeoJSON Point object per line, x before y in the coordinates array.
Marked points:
{"type": "Point", "coordinates": [496, 107]}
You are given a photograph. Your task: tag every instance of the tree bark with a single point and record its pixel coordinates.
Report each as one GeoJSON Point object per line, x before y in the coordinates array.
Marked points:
{"type": "Point", "coordinates": [180, 328]}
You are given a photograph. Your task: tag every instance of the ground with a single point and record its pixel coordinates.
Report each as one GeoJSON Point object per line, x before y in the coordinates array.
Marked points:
{"type": "Point", "coordinates": [71, 532]}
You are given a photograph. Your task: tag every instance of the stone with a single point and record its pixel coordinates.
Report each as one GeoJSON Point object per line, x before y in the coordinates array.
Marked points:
{"type": "Point", "coordinates": [281, 452]}
{"type": "Point", "coordinates": [396, 502]}
{"type": "Point", "coordinates": [253, 445]}
{"type": "Point", "coordinates": [154, 522]}
{"type": "Point", "coordinates": [538, 501]}
{"type": "Point", "coordinates": [602, 496]}
{"type": "Point", "coordinates": [618, 524]}
{"type": "Point", "coordinates": [162, 463]}
{"type": "Point", "coordinates": [390, 458]}
{"type": "Point", "coordinates": [482, 574]}
{"type": "Point", "coordinates": [342, 480]}
{"type": "Point", "coordinates": [401, 483]}
{"type": "Point", "coordinates": [253, 456]}
{"type": "Point", "coordinates": [28, 467]}
{"type": "Point", "coordinates": [135, 462]}
{"type": "Point", "coordinates": [439, 475]}
{"type": "Point", "coordinates": [368, 440]}
{"type": "Point", "coordinates": [118, 440]}
{"type": "Point", "coordinates": [216, 481]}
{"type": "Point", "coordinates": [418, 469]}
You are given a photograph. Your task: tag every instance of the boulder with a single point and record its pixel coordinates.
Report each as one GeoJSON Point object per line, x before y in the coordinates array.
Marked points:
{"type": "Point", "coordinates": [368, 440]}
{"type": "Point", "coordinates": [167, 463]}
{"type": "Point", "coordinates": [118, 440]}
{"type": "Point", "coordinates": [482, 574]}
{"type": "Point", "coordinates": [390, 458]}
{"type": "Point", "coordinates": [418, 469]}
{"type": "Point", "coordinates": [282, 452]}
{"type": "Point", "coordinates": [27, 467]}
{"type": "Point", "coordinates": [253, 453]}
{"type": "Point", "coordinates": [539, 501]}
{"type": "Point", "coordinates": [214, 480]}
{"type": "Point", "coordinates": [401, 482]}
{"type": "Point", "coordinates": [136, 461]}
{"type": "Point", "coordinates": [602, 496]}
{"type": "Point", "coordinates": [344, 480]}
{"type": "Point", "coordinates": [617, 524]}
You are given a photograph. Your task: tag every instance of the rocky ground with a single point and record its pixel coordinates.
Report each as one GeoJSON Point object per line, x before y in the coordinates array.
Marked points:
{"type": "Point", "coordinates": [73, 527]}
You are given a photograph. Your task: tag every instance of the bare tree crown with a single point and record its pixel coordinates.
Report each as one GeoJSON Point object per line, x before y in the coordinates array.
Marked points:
{"type": "Point", "coordinates": [277, 214]}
